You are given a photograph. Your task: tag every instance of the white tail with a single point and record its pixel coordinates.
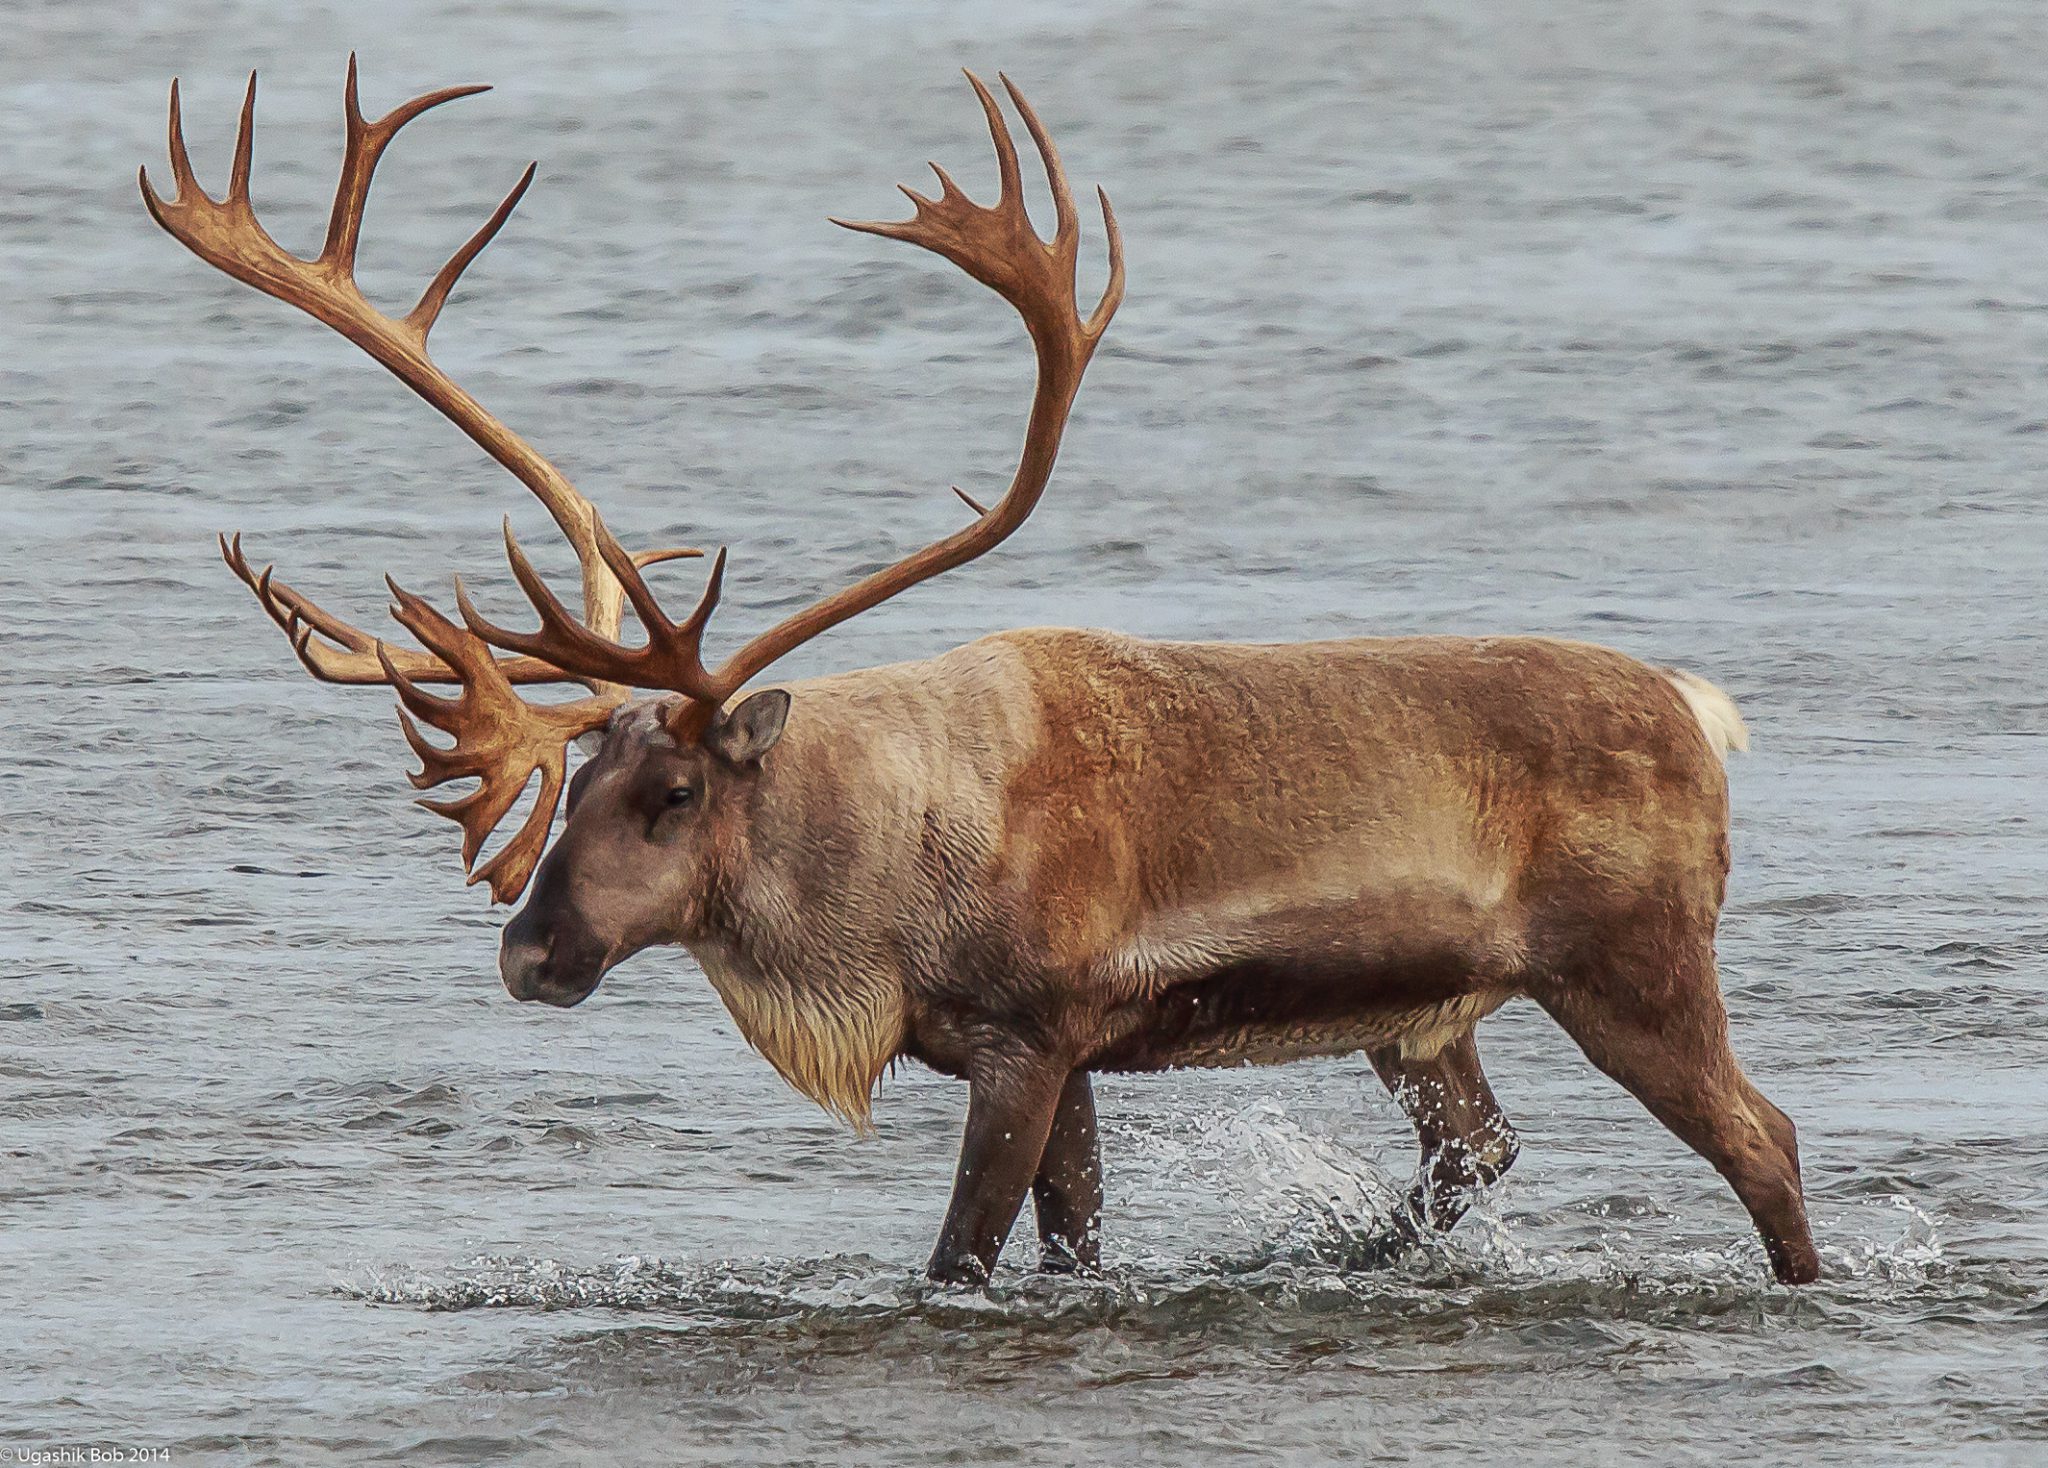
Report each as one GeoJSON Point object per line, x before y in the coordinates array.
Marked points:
{"type": "Point", "coordinates": [1719, 719]}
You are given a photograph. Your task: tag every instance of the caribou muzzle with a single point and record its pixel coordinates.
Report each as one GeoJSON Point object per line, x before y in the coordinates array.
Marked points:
{"type": "Point", "coordinates": [541, 960]}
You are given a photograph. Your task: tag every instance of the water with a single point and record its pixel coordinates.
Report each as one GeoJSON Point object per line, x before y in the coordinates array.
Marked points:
{"type": "Point", "coordinates": [1712, 333]}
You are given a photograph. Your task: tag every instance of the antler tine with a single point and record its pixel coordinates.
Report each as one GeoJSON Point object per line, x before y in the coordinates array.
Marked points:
{"type": "Point", "coordinates": [1010, 175]}
{"type": "Point", "coordinates": [419, 617]}
{"type": "Point", "coordinates": [989, 243]}
{"type": "Point", "coordinates": [362, 149]}
{"type": "Point", "coordinates": [559, 628]}
{"type": "Point", "coordinates": [421, 318]}
{"type": "Point", "coordinates": [1113, 292]}
{"type": "Point", "coordinates": [627, 568]}
{"type": "Point", "coordinates": [643, 559]}
{"type": "Point", "coordinates": [245, 146]}
{"type": "Point", "coordinates": [182, 180]}
{"type": "Point", "coordinates": [1066, 222]}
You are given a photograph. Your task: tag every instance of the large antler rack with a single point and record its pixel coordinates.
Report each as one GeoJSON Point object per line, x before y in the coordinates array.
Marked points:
{"type": "Point", "coordinates": [502, 739]}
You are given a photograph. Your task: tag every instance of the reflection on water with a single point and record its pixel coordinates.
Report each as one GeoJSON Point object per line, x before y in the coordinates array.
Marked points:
{"type": "Point", "coordinates": [1712, 334]}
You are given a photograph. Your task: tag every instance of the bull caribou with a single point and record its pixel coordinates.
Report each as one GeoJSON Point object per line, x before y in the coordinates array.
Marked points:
{"type": "Point", "coordinates": [1053, 852]}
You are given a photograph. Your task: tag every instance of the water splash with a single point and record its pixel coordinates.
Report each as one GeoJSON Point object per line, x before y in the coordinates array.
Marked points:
{"type": "Point", "coordinates": [1309, 1215]}
{"type": "Point", "coordinates": [1915, 1257]}
{"type": "Point", "coordinates": [1277, 1183]}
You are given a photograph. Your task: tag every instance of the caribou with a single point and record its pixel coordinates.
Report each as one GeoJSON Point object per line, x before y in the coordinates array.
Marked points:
{"type": "Point", "coordinates": [1052, 852]}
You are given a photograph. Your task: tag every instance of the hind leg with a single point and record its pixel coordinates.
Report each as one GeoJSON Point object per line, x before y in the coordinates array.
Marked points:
{"type": "Point", "coordinates": [1467, 1143]}
{"type": "Point", "coordinates": [1659, 1028]}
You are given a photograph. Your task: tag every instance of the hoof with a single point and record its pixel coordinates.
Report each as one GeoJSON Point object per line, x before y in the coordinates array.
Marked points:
{"type": "Point", "coordinates": [1795, 1266]}
{"type": "Point", "coordinates": [1056, 1259]}
{"type": "Point", "coordinates": [1055, 1256]}
{"type": "Point", "coordinates": [957, 1273]}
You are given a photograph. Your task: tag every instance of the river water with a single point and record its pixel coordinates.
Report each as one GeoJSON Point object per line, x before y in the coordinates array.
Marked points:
{"type": "Point", "coordinates": [1711, 332]}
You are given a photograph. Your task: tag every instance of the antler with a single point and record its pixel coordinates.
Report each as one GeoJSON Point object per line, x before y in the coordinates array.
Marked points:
{"type": "Point", "coordinates": [995, 244]}
{"type": "Point", "coordinates": [998, 247]}
{"type": "Point", "coordinates": [499, 737]}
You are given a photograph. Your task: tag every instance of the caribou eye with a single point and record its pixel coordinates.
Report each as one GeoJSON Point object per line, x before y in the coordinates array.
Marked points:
{"type": "Point", "coordinates": [681, 795]}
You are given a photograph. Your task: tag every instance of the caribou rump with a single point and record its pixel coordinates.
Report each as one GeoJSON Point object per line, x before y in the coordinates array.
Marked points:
{"type": "Point", "coordinates": [1054, 852]}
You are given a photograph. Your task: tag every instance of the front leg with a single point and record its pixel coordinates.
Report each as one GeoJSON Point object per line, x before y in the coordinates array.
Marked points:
{"type": "Point", "coordinates": [1011, 1101]}
{"type": "Point", "coordinates": [1068, 1187]}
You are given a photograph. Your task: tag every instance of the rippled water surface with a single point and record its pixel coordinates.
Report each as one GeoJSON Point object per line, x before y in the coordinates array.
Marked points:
{"type": "Point", "coordinates": [1712, 332]}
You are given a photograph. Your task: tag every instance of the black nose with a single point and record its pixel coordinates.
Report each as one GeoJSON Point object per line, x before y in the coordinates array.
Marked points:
{"type": "Point", "coordinates": [532, 969]}
{"type": "Point", "coordinates": [523, 965]}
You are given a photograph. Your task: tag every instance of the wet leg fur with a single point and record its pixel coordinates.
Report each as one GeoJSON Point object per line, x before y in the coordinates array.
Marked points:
{"type": "Point", "coordinates": [1067, 1191]}
{"type": "Point", "coordinates": [1653, 1020]}
{"type": "Point", "coordinates": [1011, 1104]}
{"type": "Point", "coordinates": [1467, 1142]}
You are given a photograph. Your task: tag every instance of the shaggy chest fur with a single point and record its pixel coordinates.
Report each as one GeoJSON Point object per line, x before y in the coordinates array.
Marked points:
{"type": "Point", "coordinates": [830, 1034]}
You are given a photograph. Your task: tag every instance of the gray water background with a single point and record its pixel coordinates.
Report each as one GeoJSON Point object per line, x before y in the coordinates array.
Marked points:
{"type": "Point", "coordinates": [1711, 332]}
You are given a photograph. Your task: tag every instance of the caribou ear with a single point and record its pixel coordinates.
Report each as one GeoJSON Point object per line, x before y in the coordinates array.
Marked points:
{"type": "Point", "coordinates": [751, 730]}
